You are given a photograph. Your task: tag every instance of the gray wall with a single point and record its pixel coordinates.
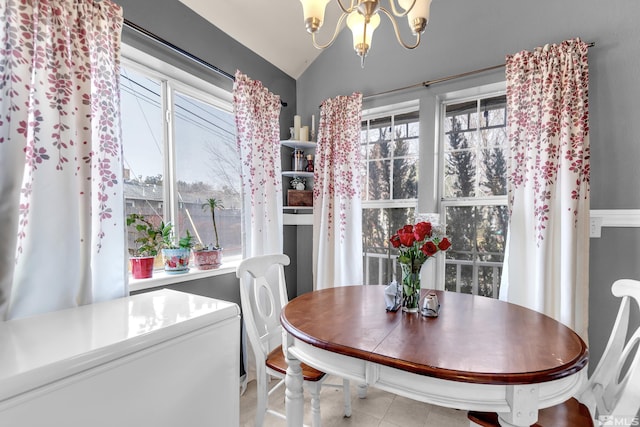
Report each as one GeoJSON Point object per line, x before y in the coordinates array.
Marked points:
{"type": "Point", "coordinates": [467, 35]}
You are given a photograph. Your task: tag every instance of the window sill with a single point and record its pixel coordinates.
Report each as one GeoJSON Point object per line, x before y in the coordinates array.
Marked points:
{"type": "Point", "coordinates": [160, 278]}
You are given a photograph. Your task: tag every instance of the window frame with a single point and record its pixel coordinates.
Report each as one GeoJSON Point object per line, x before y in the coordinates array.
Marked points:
{"type": "Point", "coordinates": [395, 109]}
{"type": "Point", "coordinates": [386, 111]}
{"type": "Point", "coordinates": [172, 80]}
{"type": "Point", "coordinates": [466, 95]}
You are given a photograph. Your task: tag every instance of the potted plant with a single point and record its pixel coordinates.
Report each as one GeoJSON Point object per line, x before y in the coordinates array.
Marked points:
{"type": "Point", "coordinates": [149, 241]}
{"type": "Point", "coordinates": [176, 256]}
{"type": "Point", "coordinates": [210, 256]}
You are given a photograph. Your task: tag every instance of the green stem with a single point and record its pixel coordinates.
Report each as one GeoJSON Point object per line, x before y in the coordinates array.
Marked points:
{"type": "Point", "coordinates": [215, 228]}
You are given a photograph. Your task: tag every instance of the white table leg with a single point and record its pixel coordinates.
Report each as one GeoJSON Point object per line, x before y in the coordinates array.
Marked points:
{"type": "Point", "coordinates": [294, 399]}
{"type": "Point", "coordinates": [523, 400]}
{"type": "Point", "coordinates": [362, 390]}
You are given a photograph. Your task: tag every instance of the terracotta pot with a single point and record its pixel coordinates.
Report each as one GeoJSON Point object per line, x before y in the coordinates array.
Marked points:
{"type": "Point", "coordinates": [142, 267]}
{"type": "Point", "coordinates": [176, 261]}
{"type": "Point", "coordinates": [207, 259]}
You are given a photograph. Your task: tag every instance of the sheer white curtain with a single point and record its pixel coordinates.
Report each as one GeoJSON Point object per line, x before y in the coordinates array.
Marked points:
{"type": "Point", "coordinates": [257, 113]}
{"type": "Point", "coordinates": [337, 212]}
{"type": "Point", "coordinates": [61, 195]}
{"type": "Point", "coordinates": [547, 255]}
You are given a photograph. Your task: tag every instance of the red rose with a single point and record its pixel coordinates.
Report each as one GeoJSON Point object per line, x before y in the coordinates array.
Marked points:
{"type": "Point", "coordinates": [444, 244]}
{"type": "Point", "coordinates": [429, 249]}
{"type": "Point", "coordinates": [407, 239]}
{"type": "Point", "coordinates": [406, 229]}
{"type": "Point", "coordinates": [422, 230]}
{"type": "Point", "coordinates": [395, 241]}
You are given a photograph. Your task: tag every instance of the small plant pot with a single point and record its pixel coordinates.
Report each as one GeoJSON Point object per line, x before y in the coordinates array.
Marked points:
{"type": "Point", "coordinates": [176, 261]}
{"type": "Point", "coordinates": [142, 267]}
{"type": "Point", "coordinates": [207, 259]}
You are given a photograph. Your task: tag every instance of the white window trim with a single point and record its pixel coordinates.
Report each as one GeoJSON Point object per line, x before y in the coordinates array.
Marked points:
{"type": "Point", "coordinates": [183, 82]}
{"type": "Point", "coordinates": [160, 278]}
{"type": "Point", "coordinates": [148, 64]}
{"type": "Point", "coordinates": [485, 91]}
{"type": "Point", "coordinates": [385, 111]}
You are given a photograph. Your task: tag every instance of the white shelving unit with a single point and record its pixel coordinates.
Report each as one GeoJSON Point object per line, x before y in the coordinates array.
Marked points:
{"type": "Point", "coordinates": [298, 215]}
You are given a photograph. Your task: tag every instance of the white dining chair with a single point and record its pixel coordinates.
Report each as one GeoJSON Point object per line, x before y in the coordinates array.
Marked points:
{"type": "Point", "coordinates": [263, 293]}
{"type": "Point", "coordinates": [611, 395]}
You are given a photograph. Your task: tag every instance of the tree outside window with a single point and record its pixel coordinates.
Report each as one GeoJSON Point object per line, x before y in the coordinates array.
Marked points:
{"type": "Point", "coordinates": [474, 194]}
{"type": "Point", "coordinates": [390, 146]}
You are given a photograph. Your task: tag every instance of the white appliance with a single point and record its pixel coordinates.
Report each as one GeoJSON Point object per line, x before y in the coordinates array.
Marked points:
{"type": "Point", "coordinates": [161, 359]}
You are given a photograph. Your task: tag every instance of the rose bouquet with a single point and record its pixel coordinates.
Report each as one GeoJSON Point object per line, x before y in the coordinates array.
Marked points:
{"type": "Point", "coordinates": [416, 243]}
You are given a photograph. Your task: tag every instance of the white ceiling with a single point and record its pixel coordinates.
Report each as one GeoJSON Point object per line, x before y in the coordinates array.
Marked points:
{"type": "Point", "coordinates": [274, 29]}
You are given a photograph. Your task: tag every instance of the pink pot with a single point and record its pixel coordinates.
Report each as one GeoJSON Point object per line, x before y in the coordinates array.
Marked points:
{"type": "Point", "coordinates": [207, 259]}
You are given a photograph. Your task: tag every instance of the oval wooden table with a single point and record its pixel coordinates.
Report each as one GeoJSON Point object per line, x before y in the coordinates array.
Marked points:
{"type": "Point", "coordinates": [479, 354]}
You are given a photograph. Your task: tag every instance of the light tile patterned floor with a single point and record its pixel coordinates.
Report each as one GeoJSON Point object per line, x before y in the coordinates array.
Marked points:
{"type": "Point", "coordinates": [379, 409]}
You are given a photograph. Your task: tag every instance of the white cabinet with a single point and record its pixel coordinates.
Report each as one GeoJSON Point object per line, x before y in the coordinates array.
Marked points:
{"type": "Point", "coordinates": [162, 358]}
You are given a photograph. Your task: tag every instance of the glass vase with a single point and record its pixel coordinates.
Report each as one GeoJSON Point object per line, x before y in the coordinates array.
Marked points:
{"type": "Point", "coordinates": [410, 289]}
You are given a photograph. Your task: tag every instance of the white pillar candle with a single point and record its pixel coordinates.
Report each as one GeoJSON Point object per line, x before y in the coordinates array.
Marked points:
{"type": "Point", "coordinates": [304, 133]}
{"type": "Point", "coordinates": [296, 127]}
{"type": "Point", "coordinates": [313, 123]}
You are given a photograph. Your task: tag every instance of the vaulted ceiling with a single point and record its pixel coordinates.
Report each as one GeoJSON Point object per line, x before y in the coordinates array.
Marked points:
{"type": "Point", "coordinates": [273, 29]}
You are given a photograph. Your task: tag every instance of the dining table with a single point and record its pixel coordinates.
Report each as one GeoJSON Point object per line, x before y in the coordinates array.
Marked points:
{"type": "Point", "coordinates": [478, 353]}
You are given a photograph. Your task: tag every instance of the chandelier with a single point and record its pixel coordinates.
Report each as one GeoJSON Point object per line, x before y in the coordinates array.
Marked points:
{"type": "Point", "coordinates": [363, 17]}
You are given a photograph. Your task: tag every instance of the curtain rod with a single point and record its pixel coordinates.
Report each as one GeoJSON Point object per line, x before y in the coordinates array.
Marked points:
{"type": "Point", "coordinates": [182, 52]}
{"type": "Point", "coordinates": [444, 79]}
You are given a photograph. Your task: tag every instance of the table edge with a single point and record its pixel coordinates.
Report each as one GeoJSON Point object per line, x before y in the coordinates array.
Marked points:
{"type": "Point", "coordinates": [570, 368]}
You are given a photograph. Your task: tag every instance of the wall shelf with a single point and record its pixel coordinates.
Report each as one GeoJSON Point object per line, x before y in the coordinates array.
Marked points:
{"type": "Point", "coordinates": [292, 211]}
{"type": "Point", "coordinates": [299, 208]}
{"type": "Point", "coordinates": [301, 174]}
{"type": "Point", "coordinates": [292, 143]}
{"type": "Point", "coordinates": [297, 219]}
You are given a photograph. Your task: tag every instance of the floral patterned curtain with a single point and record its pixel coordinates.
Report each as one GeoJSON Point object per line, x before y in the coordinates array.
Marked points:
{"type": "Point", "coordinates": [61, 197]}
{"type": "Point", "coordinates": [547, 255]}
{"type": "Point", "coordinates": [257, 113]}
{"type": "Point", "coordinates": [337, 212]}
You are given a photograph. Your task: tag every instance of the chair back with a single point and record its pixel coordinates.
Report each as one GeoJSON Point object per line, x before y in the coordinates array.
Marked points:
{"type": "Point", "coordinates": [263, 293]}
{"type": "Point", "coordinates": [613, 391]}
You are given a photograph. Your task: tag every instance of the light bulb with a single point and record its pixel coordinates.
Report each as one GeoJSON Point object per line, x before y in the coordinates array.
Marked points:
{"type": "Point", "coordinates": [313, 11]}
{"type": "Point", "coordinates": [362, 34]}
{"type": "Point", "coordinates": [418, 17]}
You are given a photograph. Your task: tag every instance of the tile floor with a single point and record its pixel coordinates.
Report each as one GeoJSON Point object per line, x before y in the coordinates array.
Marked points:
{"type": "Point", "coordinates": [379, 409]}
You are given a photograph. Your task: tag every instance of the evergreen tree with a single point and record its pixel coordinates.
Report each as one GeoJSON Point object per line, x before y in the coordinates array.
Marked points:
{"type": "Point", "coordinates": [495, 221]}
{"type": "Point", "coordinates": [495, 231]}
{"type": "Point", "coordinates": [461, 219]}
{"type": "Point", "coordinates": [380, 224]}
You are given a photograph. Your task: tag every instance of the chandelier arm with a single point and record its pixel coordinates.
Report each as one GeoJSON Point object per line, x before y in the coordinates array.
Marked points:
{"type": "Point", "coordinates": [333, 38]}
{"type": "Point", "coordinates": [395, 11]}
{"type": "Point", "coordinates": [395, 29]}
{"type": "Point", "coordinates": [351, 7]}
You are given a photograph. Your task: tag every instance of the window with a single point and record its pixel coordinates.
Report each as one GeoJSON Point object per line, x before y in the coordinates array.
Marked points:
{"type": "Point", "coordinates": [389, 152]}
{"type": "Point", "coordinates": [179, 150]}
{"type": "Point", "coordinates": [474, 192]}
